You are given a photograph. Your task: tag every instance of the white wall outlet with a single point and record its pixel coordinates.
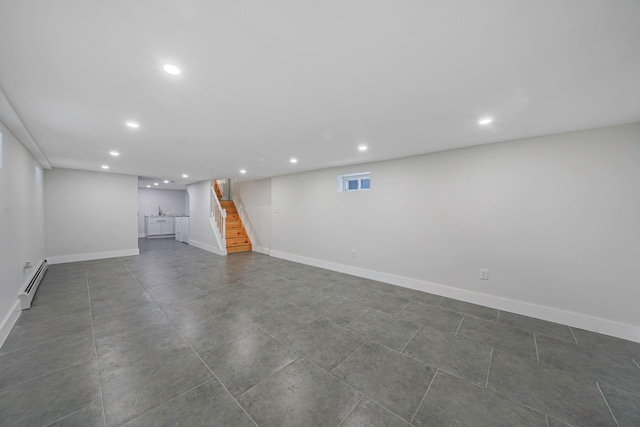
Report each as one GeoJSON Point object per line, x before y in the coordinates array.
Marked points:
{"type": "Point", "coordinates": [484, 274]}
{"type": "Point", "coordinates": [353, 253]}
{"type": "Point", "coordinates": [27, 265]}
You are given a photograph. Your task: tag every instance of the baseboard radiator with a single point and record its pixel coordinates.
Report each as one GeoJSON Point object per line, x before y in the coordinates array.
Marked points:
{"type": "Point", "coordinates": [27, 294]}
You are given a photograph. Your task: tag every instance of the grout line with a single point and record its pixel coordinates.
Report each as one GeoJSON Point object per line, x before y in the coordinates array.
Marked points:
{"type": "Point", "coordinates": [349, 356]}
{"type": "Point", "coordinates": [424, 396]}
{"type": "Point", "coordinates": [65, 417]}
{"type": "Point", "coordinates": [573, 335]}
{"type": "Point", "coordinates": [546, 418]}
{"type": "Point", "coordinates": [535, 341]}
{"type": "Point", "coordinates": [634, 361]}
{"type": "Point", "coordinates": [44, 375]}
{"type": "Point", "coordinates": [352, 409]}
{"type": "Point", "coordinates": [411, 339]}
{"type": "Point", "coordinates": [95, 346]}
{"type": "Point", "coordinates": [441, 301]}
{"type": "Point", "coordinates": [267, 377]}
{"type": "Point", "coordinates": [607, 403]}
{"type": "Point", "coordinates": [498, 316]}
{"type": "Point", "coordinates": [461, 320]}
{"type": "Point", "coordinates": [486, 384]}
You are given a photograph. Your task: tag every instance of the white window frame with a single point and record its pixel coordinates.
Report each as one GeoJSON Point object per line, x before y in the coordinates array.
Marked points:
{"type": "Point", "coordinates": [343, 182]}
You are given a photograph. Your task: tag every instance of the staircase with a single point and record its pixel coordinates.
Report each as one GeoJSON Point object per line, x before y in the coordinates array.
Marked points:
{"type": "Point", "coordinates": [237, 239]}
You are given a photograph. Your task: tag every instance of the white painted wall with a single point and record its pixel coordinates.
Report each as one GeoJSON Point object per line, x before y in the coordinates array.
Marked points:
{"type": "Point", "coordinates": [90, 215]}
{"type": "Point", "coordinates": [201, 232]}
{"type": "Point", "coordinates": [555, 219]}
{"type": "Point", "coordinates": [253, 201]}
{"type": "Point", "coordinates": [21, 224]}
{"type": "Point", "coordinates": [171, 201]}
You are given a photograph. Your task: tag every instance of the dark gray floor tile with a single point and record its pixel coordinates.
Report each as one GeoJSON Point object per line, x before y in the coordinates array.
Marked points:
{"type": "Point", "coordinates": [29, 335]}
{"type": "Point", "coordinates": [179, 291]}
{"type": "Point", "coordinates": [337, 310]}
{"type": "Point", "coordinates": [384, 328]}
{"type": "Point", "coordinates": [231, 292]}
{"type": "Point", "coordinates": [90, 416]}
{"type": "Point", "coordinates": [455, 355]}
{"type": "Point", "coordinates": [383, 301]}
{"type": "Point", "coordinates": [214, 331]}
{"type": "Point", "coordinates": [625, 406]}
{"type": "Point", "coordinates": [50, 398]}
{"type": "Point", "coordinates": [301, 394]}
{"type": "Point", "coordinates": [451, 401]}
{"type": "Point", "coordinates": [548, 390]}
{"type": "Point", "coordinates": [125, 322]}
{"type": "Point", "coordinates": [324, 343]}
{"type": "Point", "coordinates": [119, 303]}
{"type": "Point", "coordinates": [192, 312]}
{"type": "Point", "coordinates": [590, 363]}
{"type": "Point", "coordinates": [350, 291]}
{"type": "Point", "coordinates": [390, 378]}
{"type": "Point", "coordinates": [552, 422]}
{"type": "Point", "coordinates": [303, 296]}
{"type": "Point", "coordinates": [608, 343]}
{"type": "Point", "coordinates": [243, 363]}
{"type": "Point", "coordinates": [433, 317]}
{"type": "Point", "coordinates": [206, 405]}
{"type": "Point", "coordinates": [280, 322]}
{"type": "Point", "coordinates": [132, 390]}
{"type": "Point", "coordinates": [252, 305]}
{"type": "Point", "coordinates": [370, 414]}
{"type": "Point", "coordinates": [469, 308]}
{"type": "Point", "coordinates": [116, 351]}
{"type": "Point", "coordinates": [418, 296]}
{"type": "Point", "coordinates": [512, 340]}
{"type": "Point", "coordinates": [539, 326]}
{"type": "Point", "coordinates": [43, 310]}
{"type": "Point", "coordinates": [23, 365]}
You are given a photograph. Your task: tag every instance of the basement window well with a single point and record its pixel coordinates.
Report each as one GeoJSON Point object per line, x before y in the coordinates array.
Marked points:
{"type": "Point", "coordinates": [354, 182]}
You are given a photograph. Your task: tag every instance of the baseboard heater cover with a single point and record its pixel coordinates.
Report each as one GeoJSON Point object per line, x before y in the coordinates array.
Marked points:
{"type": "Point", "coordinates": [26, 296]}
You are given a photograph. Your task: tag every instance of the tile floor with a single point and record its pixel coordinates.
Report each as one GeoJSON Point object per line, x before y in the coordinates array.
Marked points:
{"type": "Point", "coordinates": [178, 336]}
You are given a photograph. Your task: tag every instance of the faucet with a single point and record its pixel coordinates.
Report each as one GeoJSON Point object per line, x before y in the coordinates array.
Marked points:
{"type": "Point", "coordinates": [160, 213]}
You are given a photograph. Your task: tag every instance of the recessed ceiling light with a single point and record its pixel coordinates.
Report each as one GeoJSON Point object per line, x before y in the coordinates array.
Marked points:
{"type": "Point", "coordinates": [293, 160]}
{"type": "Point", "coordinates": [362, 147]}
{"type": "Point", "coordinates": [105, 167]}
{"type": "Point", "coordinates": [166, 181]}
{"type": "Point", "coordinates": [485, 121]}
{"type": "Point", "coordinates": [171, 69]}
{"type": "Point", "coordinates": [114, 153]}
{"type": "Point", "coordinates": [148, 186]}
{"type": "Point", "coordinates": [133, 125]}
{"type": "Point", "coordinates": [184, 175]}
{"type": "Point", "coordinates": [243, 171]}
{"type": "Point", "coordinates": [155, 183]}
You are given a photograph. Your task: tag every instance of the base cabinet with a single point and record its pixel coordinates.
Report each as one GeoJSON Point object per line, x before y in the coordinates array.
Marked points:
{"type": "Point", "coordinates": [159, 226]}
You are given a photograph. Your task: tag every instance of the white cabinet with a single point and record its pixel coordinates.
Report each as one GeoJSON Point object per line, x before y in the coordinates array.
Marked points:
{"type": "Point", "coordinates": [159, 226]}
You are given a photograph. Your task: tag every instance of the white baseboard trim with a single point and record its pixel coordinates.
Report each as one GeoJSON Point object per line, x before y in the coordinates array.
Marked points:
{"type": "Point", "coordinates": [578, 320]}
{"type": "Point", "coordinates": [141, 235]}
{"type": "Point", "coordinates": [9, 320]}
{"type": "Point", "coordinates": [208, 248]}
{"type": "Point", "coordinates": [261, 249]}
{"type": "Point", "coordinates": [60, 259]}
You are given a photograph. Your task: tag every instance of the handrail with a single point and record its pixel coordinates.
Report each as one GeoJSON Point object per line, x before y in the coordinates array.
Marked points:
{"type": "Point", "coordinates": [219, 214]}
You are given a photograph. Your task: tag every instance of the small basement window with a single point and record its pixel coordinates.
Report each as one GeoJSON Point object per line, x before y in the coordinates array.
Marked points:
{"type": "Point", "coordinates": [354, 182]}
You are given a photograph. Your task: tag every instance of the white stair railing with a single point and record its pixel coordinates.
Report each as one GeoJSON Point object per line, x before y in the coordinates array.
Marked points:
{"type": "Point", "coordinates": [219, 215]}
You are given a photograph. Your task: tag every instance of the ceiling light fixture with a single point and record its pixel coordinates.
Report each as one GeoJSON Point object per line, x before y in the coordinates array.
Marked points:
{"type": "Point", "coordinates": [171, 69]}
{"type": "Point", "coordinates": [184, 175]}
{"type": "Point", "coordinates": [485, 121]}
{"type": "Point", "coordinates": [293, 160]}
{"type": "Point", "coordinates": [362, 147]}
{"type": "Point", "coordinates": [243, 171]}
{"type": "Point", "coordinates": [105, 167]}
{"type": "Point", "coordinates": [114, 153]}
{"type": "Point", "coordinates": [148, 186]}
{"type": "Point", "coordinates": [155, 183]}
{"type": "Point", "coordinates": [166, 181]}
{"type": "Point", "coordinates": [133, 125]}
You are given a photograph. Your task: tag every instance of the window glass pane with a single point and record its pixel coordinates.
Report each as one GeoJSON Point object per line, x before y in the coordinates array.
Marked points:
{"type": "Point", "coordinates": [365, 183]}
{"type": "Point", "coordinates": [352, 184]}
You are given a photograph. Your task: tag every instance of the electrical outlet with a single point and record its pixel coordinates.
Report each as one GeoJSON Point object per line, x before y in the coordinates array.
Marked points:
{"type": "Point", "coordinates": [27, 265]}
{"type": "Point", "coordinates": [353, 253]}
{"type": "Point", "coordinates": [484, 274]}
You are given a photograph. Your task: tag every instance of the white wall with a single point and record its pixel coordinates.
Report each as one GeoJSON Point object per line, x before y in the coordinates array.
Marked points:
{"type": "Point", "coordinates": [21, 224]}
{"type": "Point", "coordinates": [90, 215]}
{"type": "Point", "coordinates": [253, 201]}
{"type": "Point", "coordinates": [201, 232]}
{"type": "Point", "coordinates": [555, 219]}
{"type": "Point", "coordinates": [171, 201]}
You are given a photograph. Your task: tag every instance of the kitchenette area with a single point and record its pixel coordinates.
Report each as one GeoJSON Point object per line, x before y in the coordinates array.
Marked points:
{"type": "Point", "coordinates": [163, 213]}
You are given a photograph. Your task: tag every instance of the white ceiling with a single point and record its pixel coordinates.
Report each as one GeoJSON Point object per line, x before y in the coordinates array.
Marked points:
{"type": "Point", "coordinates": [265, 81]}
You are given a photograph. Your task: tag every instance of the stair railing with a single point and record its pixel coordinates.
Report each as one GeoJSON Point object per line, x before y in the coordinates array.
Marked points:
{"type": "Point", "coordinates": [219, 215]}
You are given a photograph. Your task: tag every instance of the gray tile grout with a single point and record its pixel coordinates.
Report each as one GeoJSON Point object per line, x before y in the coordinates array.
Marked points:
{"type": "Point", "coordinates": [535, 341]}
{"type": "Point", "coordinates": [486, 384]}
{"type": "Point", "coordinates": [458, 328]}
{"type": "Point", "coordinates": [634, 361]}
{"type": "Point", "coordinates": [95, 347]}
{"type": "Point", "coordinates": [607, 403]}
{"type": "Point", "coordinates": [65, 417]}
{"type": "Point", "coordinates": [546, 418]}
{"type": "Point", "coordinates": [424, 396]}
{"type": "Point", "coordinates": [352, 409]}
{"type": "Point", "coordinates": [411, 339]}
{"type": "Point", "coordinates": [573, 335]}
